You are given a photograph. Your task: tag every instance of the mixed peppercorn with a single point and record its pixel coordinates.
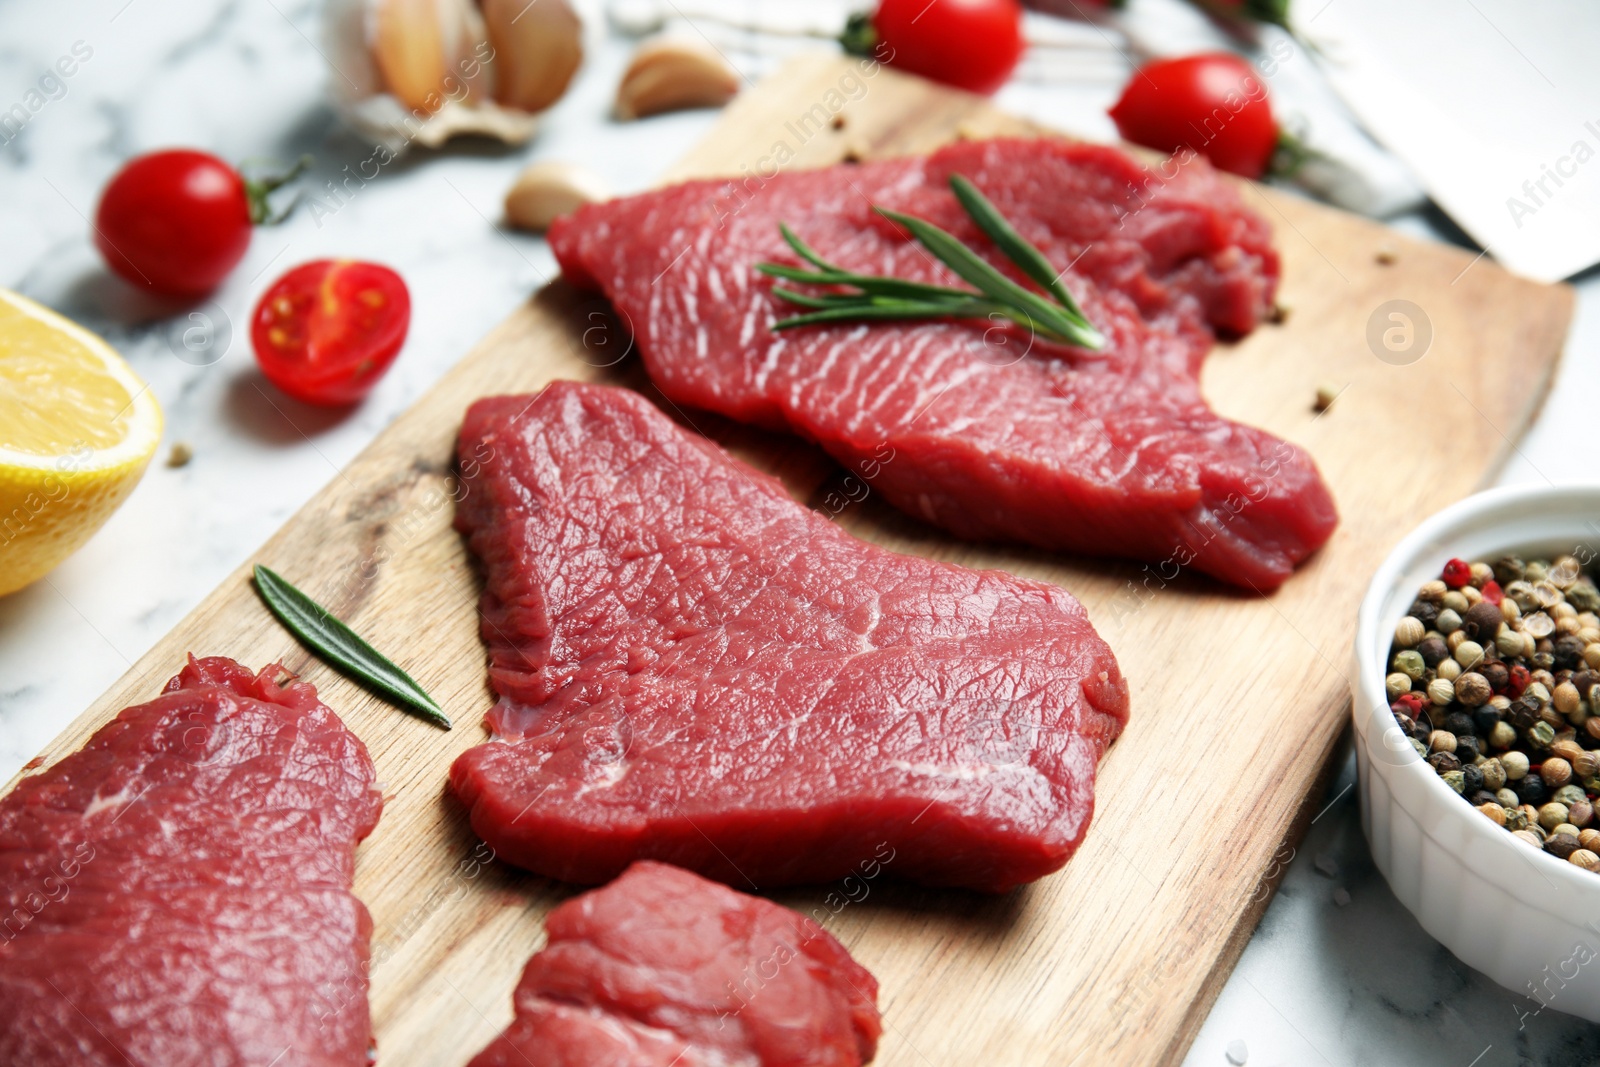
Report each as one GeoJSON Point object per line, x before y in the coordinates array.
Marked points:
{"type": "Point", "coordinates": [1494, 675]}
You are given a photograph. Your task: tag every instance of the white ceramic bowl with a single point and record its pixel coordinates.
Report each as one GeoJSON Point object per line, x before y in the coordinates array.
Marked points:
{"type": "Point", "coordinates": [1523, 917]}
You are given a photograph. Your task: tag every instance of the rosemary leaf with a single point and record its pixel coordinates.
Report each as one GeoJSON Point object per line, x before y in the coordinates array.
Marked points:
{"type": "Point", "coordinates": [343, 647]}
{"type": "Point", "coordinates": [1052, 319]}
{"type": "Point", "coordinates": [1017, 248]}
{"type": "Point", "coordinates": [867, 283]}
{"type": "Point", "coordinates": [906, 309]}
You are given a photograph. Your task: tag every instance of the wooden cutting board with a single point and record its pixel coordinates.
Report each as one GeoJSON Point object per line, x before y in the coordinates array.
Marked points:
{"type": "Point", "coordinates": [1237, 700]}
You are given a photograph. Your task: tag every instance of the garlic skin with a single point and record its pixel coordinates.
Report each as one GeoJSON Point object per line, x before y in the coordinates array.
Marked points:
{"type": "Point", "coordinates": [406, 72]}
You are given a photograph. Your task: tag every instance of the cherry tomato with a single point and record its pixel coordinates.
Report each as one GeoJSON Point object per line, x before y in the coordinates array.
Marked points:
{"type": "Point", "coordinates": [971, 44]}
{"type": "Point", "coordinates": [1212, 103]}
{"type": "Point", "coordinates": [326, 331]}
{"type": "Point", "coordinates": [175, 222]}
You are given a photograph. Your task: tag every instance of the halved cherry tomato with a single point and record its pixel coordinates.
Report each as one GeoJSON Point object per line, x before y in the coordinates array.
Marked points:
{"type": "Point", "coordinates": [326, 331]}
{"type": "Point", "coordinates": [1212, 103]}
{"type": "Point", "coordinates": [971, 44]}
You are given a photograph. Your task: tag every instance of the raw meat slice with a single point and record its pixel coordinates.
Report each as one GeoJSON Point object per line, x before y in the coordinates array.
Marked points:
{"type": "Point", "coordinates": [177, 892]}
{"type": "Point", "coordinates": [1113, 453]}
{"type": "Point", "coordinates": [696, 669]}
{"type": "Point", "coordinates": [662, 968]}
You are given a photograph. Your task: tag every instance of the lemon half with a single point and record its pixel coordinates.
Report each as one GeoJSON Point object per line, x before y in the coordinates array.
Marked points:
{"type": "Point", "coordinates": [77, 429]}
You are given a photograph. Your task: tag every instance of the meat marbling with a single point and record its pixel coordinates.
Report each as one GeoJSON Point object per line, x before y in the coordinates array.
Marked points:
{"type": "Point", "coordinates": [1113, 452]}
{"type": "Point", "coordinates": [696, 669]}
{"type": "Point", "coordinates": [177, 892]}
{"type": "Point", "coordinates": [662, 968]}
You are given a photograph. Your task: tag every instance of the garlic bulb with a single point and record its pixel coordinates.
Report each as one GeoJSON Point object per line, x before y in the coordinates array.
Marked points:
{"type": "Point", "coordinates": [422, 71]}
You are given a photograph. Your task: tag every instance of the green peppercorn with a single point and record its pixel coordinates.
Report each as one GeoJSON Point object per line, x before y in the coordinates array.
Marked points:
{"type": "Point", "coordinates": [1409, 662]}
{"type": "Point", "coordinates": [1456, 600]}
{"type": "Point", "coordinates": [1568, 795]}
{"type": "Point", "coordinates": [1541, 734]}
{"type": "Point", "coordinates": [1516, 818]}
{"type": "Point", "coordinates": [1583, 595]}
{"type": "Point", "coordinates": [1448, 622]}
{"type": "Point", "coordinates": [1417, 746]}
{"type": "Point", "coordinates": [1455, 780]}
{"type": "Point", "coordinates": [1535, 571]}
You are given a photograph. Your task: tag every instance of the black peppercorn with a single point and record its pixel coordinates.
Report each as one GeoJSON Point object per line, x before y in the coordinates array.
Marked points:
{"type": "Point", "coordinates": [1530, 789]}
{"type": "Point", "coordinates": [1482, 796]}
{"type": "Point", "coordinates": [1471, 777]}
{"type": "Point", "coordinates": [1482, 621]}
{"type": "Point", "coordinates": [1507, 570]}
{"type": "Point", "coordinates": [1458, 723]}
{"type": "Point", "coordinates": [1426, 612]}
{"type": "Point", "coordinates": [1568, 652]}
{"type": "Point", "coordinates": [1445, 762]}
{"type": "Point", "coordinates": [1561, 845]}
{"type": "Point", "coordinates": [1525, 712]}
{"type": "Point", "coordinates": [1468, 748]}
{"type": "Point", "coordinates": [1433, 652]}
{"type": "Point", "coordinates": [1495, 673]}
{"type": "Point", "coordinates": [1484, 717]}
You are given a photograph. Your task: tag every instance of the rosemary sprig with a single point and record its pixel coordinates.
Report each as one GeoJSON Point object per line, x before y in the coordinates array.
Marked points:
{"type": "Point", "coordinates": [343, 647]}
{"type": "Point", "coordinates": [877, 297]}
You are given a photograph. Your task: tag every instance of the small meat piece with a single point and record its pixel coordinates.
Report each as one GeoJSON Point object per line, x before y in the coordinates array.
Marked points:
{"type": "Point", "coordinates": [995, 435]}
{"type": "Point", "coordinates": [662, 968]}
{"type": "Point", "coordinates": [177, 892]}
{"type": "Point", "coordinates": [696, 669]}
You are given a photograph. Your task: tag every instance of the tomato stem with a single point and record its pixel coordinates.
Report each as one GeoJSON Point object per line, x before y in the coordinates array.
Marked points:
{"type": "Point", "coordinates": [259, 190]}
{"type": "Point", "coordinates": [860, 36]}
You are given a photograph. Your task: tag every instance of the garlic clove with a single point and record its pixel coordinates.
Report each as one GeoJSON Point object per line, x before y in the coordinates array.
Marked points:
{"type": "Point", "coordinates": [408, 44]}
{"type": "Point", "coordinates": [668, 74]}
{"type": "Point", "coordinates": [547, 190]}
{"type": "Point", "coordinates": [537, 47]}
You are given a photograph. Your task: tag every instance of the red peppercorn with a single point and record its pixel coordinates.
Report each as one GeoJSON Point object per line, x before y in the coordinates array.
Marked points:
{"type": "Point", "coordinates": [1492, 592]}
{"type": "Point", "coordinates": [1457, 573]}
{"type": "Point", "coordinates": [1518, 681]}
{"type": "Point", "coordinates": [1410, 703]}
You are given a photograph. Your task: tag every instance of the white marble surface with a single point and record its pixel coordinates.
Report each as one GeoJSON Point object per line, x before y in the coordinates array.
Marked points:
{"type": "Point", "coordinates": [1319, 983]}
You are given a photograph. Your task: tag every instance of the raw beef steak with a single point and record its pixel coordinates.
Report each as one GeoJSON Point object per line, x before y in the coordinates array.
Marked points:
{"type": "Point", "coordinates": [994, 436]}
{"type": "Point", "coordinates": [662, 968]}
{"type": "Point", "coordinates": [696, 669]}
{"type": "Point", "coordinates": [177, 892]}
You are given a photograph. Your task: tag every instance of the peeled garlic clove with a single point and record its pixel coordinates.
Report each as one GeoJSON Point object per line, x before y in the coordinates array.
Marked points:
{"type": "Point", "coordinates": [537, 48]}
{"type": "Point", "coordinates": [545, 191]}
{"type": "Point", "coordinates": [668, 74]}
